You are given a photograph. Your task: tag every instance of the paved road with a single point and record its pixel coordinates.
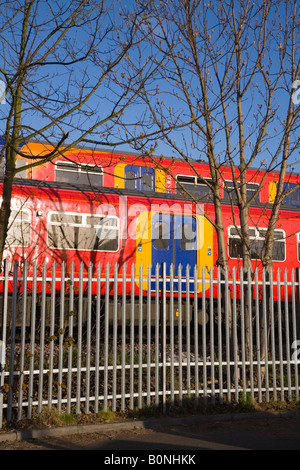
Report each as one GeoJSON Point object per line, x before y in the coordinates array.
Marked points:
{"type": "Point", "coordinates": [188, 438]}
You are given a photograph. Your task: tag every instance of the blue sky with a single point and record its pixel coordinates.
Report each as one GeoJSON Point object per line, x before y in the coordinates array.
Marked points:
{"type": "Point", "coordinates": [102, 103]}
{"type": "Point", "coordinates": [254, 100]}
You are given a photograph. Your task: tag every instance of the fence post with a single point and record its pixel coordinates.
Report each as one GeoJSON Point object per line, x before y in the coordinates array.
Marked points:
{"type": "Point", "coordinates": [163, 318]}
{"type": "Point", "coordinates": [3, 325]}
{"type": "Point", "coordinates": [12, 340]}
{"type": "Point", "coordinates": [3, 316]}
{"type": "Point", "coordinates": [297, 328]}
{"type": "Point", "coordinates": [298, 303]}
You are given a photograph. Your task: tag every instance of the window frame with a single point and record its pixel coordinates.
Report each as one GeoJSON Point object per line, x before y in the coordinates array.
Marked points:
{"type": "Point", "coordinates": [139, 171]}
{"type": "Point", "coordinates": [197, 182]}
{"type": "Point", "coordinates": [186, 243]}
{"type": "Point", "coordinates": [226, 197]}
{"type": "Point", "coordinates": [258, 237]}
{"type": "Point", "coordinates": [289, 200]}
{"type": "Point", "coordinates": [79, 168]}
{"type": "Point", "coordinates": [83, 224]}
{"type": "Point", "coordinates": [21, 163]}
{"type": "Point", "coordinates": [11, 223]}
{"type": "Point", "coordinates": [161, 241]}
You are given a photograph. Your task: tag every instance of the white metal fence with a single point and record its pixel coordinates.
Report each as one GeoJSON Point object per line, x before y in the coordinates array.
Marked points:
{"type": "Point", "coordinates": [68, 343]}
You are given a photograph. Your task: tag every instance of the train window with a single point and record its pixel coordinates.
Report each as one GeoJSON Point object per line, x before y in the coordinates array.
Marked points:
{"type": "Point", "coordinates": [187, 239]}
{"type": "Point", "coordinates": [68, 172]}
{"type": "Point", "coordinates": [66, 218]}
{"type": "Point", "coordinates": [230, 194]}
{"type": "Point", "coordinates": [253, 190]}
{"type": "Point", "coordinates": [131, 180]}
{"type": "Point", "coordinates": [140, 178]}
{"type": "Point", "coordinates": [161, 235]}
{"type": "Point", "coordinates": [195, 186]}
{"type": "Point", "coordinates": [101, 220]}
{"type": "Point", "coordinates": [279, 246]}
{"type": "Point", "coordinates": [257, 237]}
{"type": "Point", "coordinates": [148, 180]}
{"type": "Point", "coordinates": [83, 232]}
{"type": "Point", "coordinates": [19, 228]}
{"type": "Point", "coordinates": [293, 199]}
{"type": "Point", "coordinates": [20, 163]}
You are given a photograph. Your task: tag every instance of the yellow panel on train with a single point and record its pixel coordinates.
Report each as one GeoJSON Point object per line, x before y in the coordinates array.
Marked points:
{"type": "Point", "coordinates": [161, 238]}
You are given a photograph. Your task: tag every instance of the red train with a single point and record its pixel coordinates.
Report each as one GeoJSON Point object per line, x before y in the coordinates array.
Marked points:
{"type": "Point", "coordinates": [101, 207]}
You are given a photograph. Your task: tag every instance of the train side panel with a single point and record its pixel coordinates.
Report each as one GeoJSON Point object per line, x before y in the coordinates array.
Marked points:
{"type": "Point", "coordinates": [60, 225]}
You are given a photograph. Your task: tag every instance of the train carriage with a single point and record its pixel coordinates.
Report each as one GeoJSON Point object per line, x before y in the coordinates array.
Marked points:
{"type": "Point", "coordinates": [105, 208]}
{"type": "Point", "coordinates": [58, 222]}
{"type": "Point", "coordinates": [54, 222]}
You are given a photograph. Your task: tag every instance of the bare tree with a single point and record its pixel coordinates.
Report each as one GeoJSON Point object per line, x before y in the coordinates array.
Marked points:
{"type": "Point", "coordinates": [226, 91]}
{"type": "Point", "coordinates": [227, 82]}
{"type": "Point", "coordinates": [64, 70]}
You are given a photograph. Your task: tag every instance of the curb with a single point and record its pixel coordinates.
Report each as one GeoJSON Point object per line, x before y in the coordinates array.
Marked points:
{"type": "Point", "coordinates": [27, 434]}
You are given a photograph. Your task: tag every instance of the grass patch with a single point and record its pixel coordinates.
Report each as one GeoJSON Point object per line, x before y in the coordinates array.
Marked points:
{"type": "Point", "coordinates": [187, 407]}
{"type": "Point", "coordinates": [50, 419]}
{"type": "Point", "coordinates": [246, 401]}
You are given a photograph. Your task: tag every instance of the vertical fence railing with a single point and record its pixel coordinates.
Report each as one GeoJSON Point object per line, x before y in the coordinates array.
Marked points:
{"type": "Point", "coordinates": [111, 336]}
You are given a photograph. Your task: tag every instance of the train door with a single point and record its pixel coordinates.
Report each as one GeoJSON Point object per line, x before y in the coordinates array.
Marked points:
{"type": "Point", "coordinates": [131, 177]}
{"type": "Point", "coordinates": [140, 178]}
{"type": "Point", "coordinates": [174, 240]}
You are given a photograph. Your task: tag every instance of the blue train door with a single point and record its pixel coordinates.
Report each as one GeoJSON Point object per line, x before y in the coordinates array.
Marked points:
{"type": "Point", "coordinates": [140, 178]}
{"type": "Point", "coordinates": [174, 240]}
{"type": "Point", "coordinates": [131, 177]}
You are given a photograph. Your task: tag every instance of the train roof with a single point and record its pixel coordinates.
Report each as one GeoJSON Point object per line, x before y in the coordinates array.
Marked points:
{"type": "Point", "coordinates": [116, 152]}
{"type": "Point", "coordinates": [56, 185]}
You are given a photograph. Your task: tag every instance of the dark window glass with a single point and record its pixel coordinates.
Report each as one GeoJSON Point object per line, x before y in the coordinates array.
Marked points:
{"type": "Point", "coordinates": [161, 235]}
{"type": "Point", "coordinates": [195, 186]}
{"type": "Point", "coordinates": [66, 218]}
{"type": "Point", "coordinates": [21, 164]}
{"type": "Point", "coordinates": [230, 193]}
{"type": "Point", "coordinates": [69, 231]}
{"type": "Point", "coordinates": [257, 244]}
{"type": "Point", "coordinates": [101, 221]}
{"type": "Point", "coordinates": [132, 180]}
{"type": "Point", "coordinates": [148, 181]}
{"type": "Point", "coordinates": [85, 174]}
{"type": "Point", "coordinates": [256, 249]}
{"type": "Point", "coordinates": [235, 248]}
{"type": "Point", "coordinates": [2, 167]}
{"type": "Point", "coordinates": [252, 190]}
{"type": "Point", "coordinates": [294, 197]}
{"type": "Point", "coordinates": [140, 178]}
{"type": "Point", "coordinates": [19, 229]}
{"type": "Point", "coordinates": [187, 240]}
{"type": "Point", "coordinates": [186, 180]}
{"type": "Point", "coordinates": [90, 178]}
{"type": "Point", "coordinates": [278, 253]}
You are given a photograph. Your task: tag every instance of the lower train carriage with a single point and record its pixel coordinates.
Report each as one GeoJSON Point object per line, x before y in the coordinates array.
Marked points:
{"type": "Point", "coordinates": [54, 222]}
{"type": "Point", "coordinates": [58, 223]}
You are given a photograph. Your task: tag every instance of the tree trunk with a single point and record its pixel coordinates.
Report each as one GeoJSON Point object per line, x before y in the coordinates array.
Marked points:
{"type": "Point", "coordinates": [5, 208]}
